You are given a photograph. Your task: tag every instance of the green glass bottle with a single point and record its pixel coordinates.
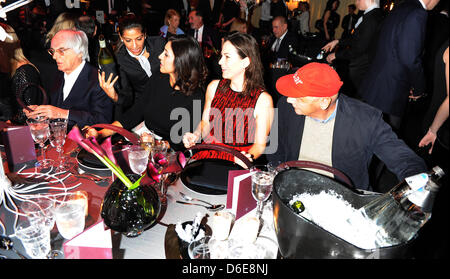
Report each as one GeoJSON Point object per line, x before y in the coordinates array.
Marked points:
{"type": "Point", "coordinates": [106, 61]}
{"type": "Point", "coordinates": [298, 207]}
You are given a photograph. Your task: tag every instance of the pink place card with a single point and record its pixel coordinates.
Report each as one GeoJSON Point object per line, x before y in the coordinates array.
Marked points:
{"type": "Point", "coordinates": [240, 200]}
{"type": "Point", "coordinates": [93, 243]}
{"type": "Point", "coordinates": [19, 147]}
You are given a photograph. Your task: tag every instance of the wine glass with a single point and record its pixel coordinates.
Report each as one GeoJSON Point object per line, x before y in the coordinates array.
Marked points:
{"type": "Point", "coordinates": [138, 159]}
{"type": "Point", "coordinates": [58, 130]}
{"type": "Point", "coordinates": [160, 159]}
{"type": "Point", "coordinates": [40, 130]}
{"type": "Point", "coordinates": [262, 180]}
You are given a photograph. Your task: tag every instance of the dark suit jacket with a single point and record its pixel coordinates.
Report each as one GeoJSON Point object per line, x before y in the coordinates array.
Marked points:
{"type": "Point", "coordinates": [359, 133]}
{"type": "Point", "coordinates": [360, 47]}
{"type": "Point", "coordinates": [87, 103]}
{"type": "Point", "coordinates": [397, 66]}
{"type": "Point", "coordinates": [209, 36]}
{"type": "Point", "coordinates": [345, 24]}
{"type": "Point", "coordinates": [210, 17]}
{"type": "Point", "coordinates": [283, 50]}
{"type": "Point", "coordinates": [133, 78]}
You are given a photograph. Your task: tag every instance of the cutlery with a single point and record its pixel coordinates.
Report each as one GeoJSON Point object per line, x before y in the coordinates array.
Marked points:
{"type": "Point", "coordinates": [215, 207]}
{"type": "Point", "coordinates": [188, 198]}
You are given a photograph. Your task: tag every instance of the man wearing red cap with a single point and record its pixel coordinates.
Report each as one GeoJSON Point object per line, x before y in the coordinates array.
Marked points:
{"type": "Point", "coordinates": [318, 124]}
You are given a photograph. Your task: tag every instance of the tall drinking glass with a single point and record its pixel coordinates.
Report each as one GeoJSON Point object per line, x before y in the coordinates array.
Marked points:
{"type": "Point", "coordinates": [70, 215]}
{"type": "Point", "coordinates": [40, 130]}
{"type": "Point", "coordinates": [58, 130]}
{"type": "Point", "coordinates": [35, 238]}
{"type": "Point", "coordinates": [138, 159]}
{"type": "Point", "coordinates": [262, 181]}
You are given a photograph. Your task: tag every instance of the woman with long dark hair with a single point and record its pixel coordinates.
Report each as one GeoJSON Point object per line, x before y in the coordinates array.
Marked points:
{"type": "Point", "coordinates": [330, 20]}
{"type": "Point", "coordinates": [238, 111]}
{"type": "Point", "coordinates": [175, 93]}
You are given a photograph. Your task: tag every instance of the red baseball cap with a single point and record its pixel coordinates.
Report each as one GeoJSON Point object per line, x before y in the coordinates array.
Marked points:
{"type": "Point", "coordinates": [312, 80]}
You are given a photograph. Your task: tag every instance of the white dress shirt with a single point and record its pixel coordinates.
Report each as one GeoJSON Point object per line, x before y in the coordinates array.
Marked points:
{"type": "Point", "coordinates": [360, 19]}
{"type": "Point", "coordinates": [199, 34]}
{"type": "Point", "coordinates": [70, 79]}
{"type": "Point", "coordinates": [275, 43]}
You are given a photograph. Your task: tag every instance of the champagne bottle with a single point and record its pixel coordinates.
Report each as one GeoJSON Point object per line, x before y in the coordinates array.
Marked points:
{"type": "Point", "coordinates": [400, 213]}
{"type": "Point", "coordinates": [298, 207]}
{"type": "Point", "coordinates": [106, 59]}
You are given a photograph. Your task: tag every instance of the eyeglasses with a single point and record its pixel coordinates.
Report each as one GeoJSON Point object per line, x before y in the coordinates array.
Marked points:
{"type": "Point", "coordinates": [60, 51]}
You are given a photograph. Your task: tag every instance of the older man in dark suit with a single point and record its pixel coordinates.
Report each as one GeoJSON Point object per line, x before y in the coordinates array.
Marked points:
{"type": "Point", "coordinates": [316, 123]}
{"type": "Point", "coordinates": [279, 44]}
{"type": "Point", "coordinates": [76, 94]}
{"type": "Point", "coordinates": [396, 71]}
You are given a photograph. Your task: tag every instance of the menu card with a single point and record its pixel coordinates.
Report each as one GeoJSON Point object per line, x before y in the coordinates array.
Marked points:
{"type": "Point", "coordinates": [240, 200]}
{"type": "Point", "coordinates": [93, 243]}
{"type": "Point", "coordinates": [19, 147]}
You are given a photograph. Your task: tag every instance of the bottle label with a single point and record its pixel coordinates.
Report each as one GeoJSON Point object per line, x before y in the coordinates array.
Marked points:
{"type": "Point", "coordinates": [417, 181]}
{"type": "Point", "coordinates": [102, 43]}
{"type": "Point", "coordinates": [417, 193]}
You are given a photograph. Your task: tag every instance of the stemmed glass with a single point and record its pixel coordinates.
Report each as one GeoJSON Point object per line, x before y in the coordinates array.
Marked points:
{"type": "Point", "coordinates": [58, 130]}
{"type": "Point", "coordinates": [159, 151]}
{"type": "Point", "coordinates": [39, 127]}
{"type": "Point", "coordinates": [138, 159]}
{"type": "Point", "coordinates": [262, 181]}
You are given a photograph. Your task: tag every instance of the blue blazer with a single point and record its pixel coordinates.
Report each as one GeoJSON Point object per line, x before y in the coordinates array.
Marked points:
{"type": "Point", "coordinates": [397, 66]}
{"type": "Point", "coordinates": [359, 133]}
{"type": "Point", "coordinates": [87, 103]}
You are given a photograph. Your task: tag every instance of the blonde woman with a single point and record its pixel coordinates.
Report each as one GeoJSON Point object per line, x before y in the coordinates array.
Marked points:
{"type": "Point", "coordinates": [171, 21]}
{"type": "Point", "coordinates": [21, 72]}
{"type": "Point", "coordinates": [63, 21]}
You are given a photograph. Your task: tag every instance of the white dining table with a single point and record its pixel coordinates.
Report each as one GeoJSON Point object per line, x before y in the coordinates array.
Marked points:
{"type": "Point", "coordinates": [150, 244]}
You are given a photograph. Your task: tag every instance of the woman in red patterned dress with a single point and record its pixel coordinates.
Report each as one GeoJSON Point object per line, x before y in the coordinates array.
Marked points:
{"type": "Point", "coordinates": [238, 112]}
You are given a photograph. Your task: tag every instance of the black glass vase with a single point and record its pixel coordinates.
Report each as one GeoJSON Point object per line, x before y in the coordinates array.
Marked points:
{"type": "Point", "coordinates": [130, 211]}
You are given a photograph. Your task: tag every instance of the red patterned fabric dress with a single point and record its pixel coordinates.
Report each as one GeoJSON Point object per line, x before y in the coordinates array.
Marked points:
{"type": "Point", "coordinates": [231, 120]}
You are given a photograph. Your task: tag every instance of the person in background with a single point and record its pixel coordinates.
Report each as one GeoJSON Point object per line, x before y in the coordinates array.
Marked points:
{"type": "Point", "coordinates": [359, 48]}
{"type": "Point", "coordinates": [23, 76]}
{"type": "Point", "coordinates": [240, 91]}
{"type": "Point", "coordinates": [239, 25]}
{"type": "Point", "coordinates": [278, 8]}
{"type": "Point", "coordinates": [76, 94]}
{"type": "Point", "coordinates": [330, 20]}
{"type": "Point", "coordinates": [279, 44]}
{"type": "Point", "coordinates": [137, 60]}
{"type": "Point", "coordinates": [210, 9]}
{"type": "Point", "coordinates": [441, 115]}
{"type": "Point", "coordinates": [316, 123]}
{"type": "Point", "coordinates": [266, 18]}
{"type": "Point", "coordinates": [201, 32]}
{"type": "Point", "coordinates": [303, 17]}
{"type": "Point", "coordinates": [178, 87]}
{"type": "Point", "coordinates": [396, 74]}
{"type": "Point", "coordinates": [87, 25]}
{"type": "Point", "coordinates": [349, 21]}
{"type": "Point", "coordinates": [171, 23]}
{"type": "Point", "coordinates": [230, 12]}
{"type": "Point", "coordinates": [64, 20]}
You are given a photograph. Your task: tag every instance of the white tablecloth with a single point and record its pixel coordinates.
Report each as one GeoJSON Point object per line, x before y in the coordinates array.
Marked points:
{"type": "Point", "coordinates": [150, 245]}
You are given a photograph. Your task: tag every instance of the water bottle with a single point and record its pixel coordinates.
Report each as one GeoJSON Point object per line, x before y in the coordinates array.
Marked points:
{"type": "Point", "coordinates": [400, 213]}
